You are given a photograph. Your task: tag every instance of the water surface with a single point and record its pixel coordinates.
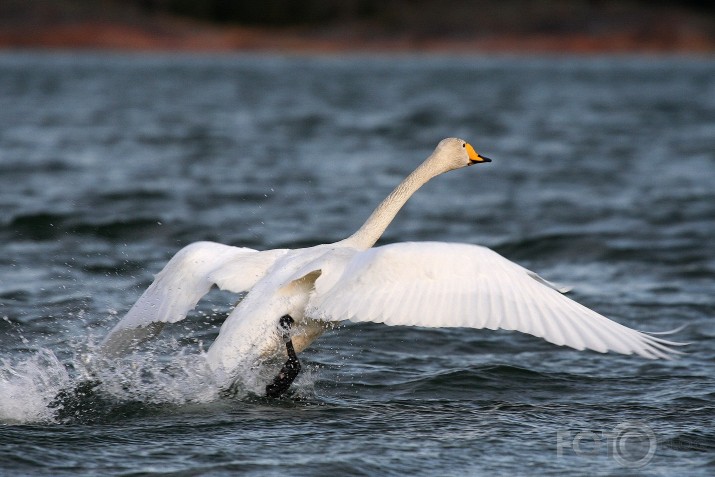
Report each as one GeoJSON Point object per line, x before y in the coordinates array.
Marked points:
{"type": "Point", "coordinates": [603, 178]}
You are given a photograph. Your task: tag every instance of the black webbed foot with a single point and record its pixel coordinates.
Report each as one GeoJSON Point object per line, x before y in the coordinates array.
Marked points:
{"type": "Point", "coordinates": [290, 369]}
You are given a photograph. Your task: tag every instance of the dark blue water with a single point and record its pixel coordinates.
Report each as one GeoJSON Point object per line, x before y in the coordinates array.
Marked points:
{"type": "Point", "coordinates": [603, 178]}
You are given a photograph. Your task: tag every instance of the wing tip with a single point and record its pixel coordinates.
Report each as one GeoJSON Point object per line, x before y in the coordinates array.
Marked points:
{"type": "Point", "coordinates": [659, 348]}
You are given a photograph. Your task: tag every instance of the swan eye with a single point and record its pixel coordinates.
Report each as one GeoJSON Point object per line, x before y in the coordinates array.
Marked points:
{"type": "Point", "coordinates": [464, 144]}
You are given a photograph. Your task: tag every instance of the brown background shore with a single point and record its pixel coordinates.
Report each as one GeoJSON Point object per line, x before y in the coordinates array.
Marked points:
{"type": "Point", "coordinates": [460, 26]}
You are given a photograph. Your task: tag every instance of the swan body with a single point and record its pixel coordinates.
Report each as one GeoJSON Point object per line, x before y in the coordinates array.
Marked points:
{"type": "Point", "coordinates": [429, 284]}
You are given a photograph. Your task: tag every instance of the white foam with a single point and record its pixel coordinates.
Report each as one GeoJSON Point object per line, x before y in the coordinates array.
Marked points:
{"type": "Point", "coordinates": [28, 385]}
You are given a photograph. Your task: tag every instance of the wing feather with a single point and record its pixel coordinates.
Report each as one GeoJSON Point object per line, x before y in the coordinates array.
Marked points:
{"type": "Point", "coordinates": [185, 279]}
{"type": "Point", "coordinates": [436, 284]}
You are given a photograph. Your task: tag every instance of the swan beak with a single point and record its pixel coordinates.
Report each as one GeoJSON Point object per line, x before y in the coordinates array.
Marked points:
{"type": "Point", "coordinates": [475, 158]}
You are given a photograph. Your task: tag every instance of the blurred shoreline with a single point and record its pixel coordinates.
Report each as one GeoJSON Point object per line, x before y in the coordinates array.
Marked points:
{"type": "Point", "coordinates": [657, 29]}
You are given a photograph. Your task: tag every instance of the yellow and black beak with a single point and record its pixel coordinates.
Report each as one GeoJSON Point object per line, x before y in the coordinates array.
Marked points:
{"type": "Point", "coordinates": [475, 158]}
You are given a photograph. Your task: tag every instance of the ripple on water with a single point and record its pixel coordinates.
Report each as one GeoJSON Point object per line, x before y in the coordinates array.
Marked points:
{"type": "Point", "coordinates": [129, 158]}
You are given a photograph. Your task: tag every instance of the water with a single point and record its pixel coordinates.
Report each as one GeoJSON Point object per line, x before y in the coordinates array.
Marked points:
{"type": "Point", "coordinates": [603, 178]}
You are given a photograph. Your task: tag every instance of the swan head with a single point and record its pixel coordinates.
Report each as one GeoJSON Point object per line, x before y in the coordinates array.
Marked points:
{"type": "Point", "coordinates": [455, 153]}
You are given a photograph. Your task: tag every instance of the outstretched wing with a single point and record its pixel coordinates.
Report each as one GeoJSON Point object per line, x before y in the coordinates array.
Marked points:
{"type": "Point", "coordinates": [437, 284]}
{"type": "Point", "coordinates": [177, 289]}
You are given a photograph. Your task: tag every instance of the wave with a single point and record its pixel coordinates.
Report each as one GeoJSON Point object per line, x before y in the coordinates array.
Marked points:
{"type": "Point", "coordinates": [48, 226]}
{"type": "Point", "coordinates": [475, 382]}
{"type": "Point", "coordinates": [563, 243]}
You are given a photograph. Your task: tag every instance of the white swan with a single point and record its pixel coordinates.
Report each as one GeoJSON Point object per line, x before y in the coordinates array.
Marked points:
{"type": "Point", "coordinates": [428, 284]}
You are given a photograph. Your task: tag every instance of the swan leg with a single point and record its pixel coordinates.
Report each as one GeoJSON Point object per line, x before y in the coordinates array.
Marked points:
{"type": "Point", "coordinates": [290, 369]}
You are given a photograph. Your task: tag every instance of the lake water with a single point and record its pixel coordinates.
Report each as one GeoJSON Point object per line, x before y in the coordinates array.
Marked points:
{"type": "Point", "coordinates": [603, 178]}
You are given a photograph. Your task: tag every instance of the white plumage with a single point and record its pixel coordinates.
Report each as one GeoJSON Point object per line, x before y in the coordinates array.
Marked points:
{"type": "Point", "coordinates": [429, 284]}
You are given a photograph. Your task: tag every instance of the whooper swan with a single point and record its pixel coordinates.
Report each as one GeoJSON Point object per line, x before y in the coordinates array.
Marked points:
{"type": "Point", "coordinates": [293, 294]}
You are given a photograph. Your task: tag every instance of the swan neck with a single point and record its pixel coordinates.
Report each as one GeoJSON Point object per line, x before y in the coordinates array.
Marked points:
{"type": "Point", "coordinates": [382, 216]}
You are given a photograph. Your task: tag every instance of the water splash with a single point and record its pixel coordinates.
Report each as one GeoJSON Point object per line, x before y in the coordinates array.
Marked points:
{"type": "Point", "coordinates": [40, 388]}
{"type": "Point", "coordinates": [28, 385]}
{"type": "Point", "coordinates": [157, 378]}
